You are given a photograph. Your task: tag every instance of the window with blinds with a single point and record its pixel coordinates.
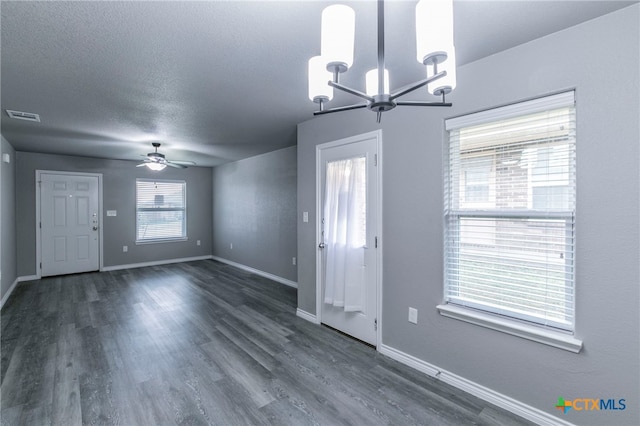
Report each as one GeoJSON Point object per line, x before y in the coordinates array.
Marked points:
{"type": "Point", "coordinates": [160, 210]}
{"type": "Point", "coordinates": [510, 211]}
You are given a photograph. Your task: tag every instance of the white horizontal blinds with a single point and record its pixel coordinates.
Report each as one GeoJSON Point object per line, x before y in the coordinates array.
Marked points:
{"type": "Point", "coordinates": [509, 207]}
{"type": "Point", "coordinates": [547, 103]}
{"type": "Point", "coordinates": [161, 210]}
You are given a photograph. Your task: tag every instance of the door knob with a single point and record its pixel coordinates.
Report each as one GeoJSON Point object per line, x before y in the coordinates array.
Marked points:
{"type": "Point", "coordinates": [321, 245]}
{"type": "Point", "coordinates": [95, 228]}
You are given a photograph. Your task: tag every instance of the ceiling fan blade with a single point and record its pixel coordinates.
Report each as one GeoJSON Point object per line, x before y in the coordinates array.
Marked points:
{"type": "Point", "coordinates": [184, 163]}
{"type": "Point", "coordinates": [177, 166]}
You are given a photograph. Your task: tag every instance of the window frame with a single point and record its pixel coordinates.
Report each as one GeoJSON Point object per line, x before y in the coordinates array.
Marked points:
{"type": "Point", "coordinates": [491, 176]}
{"type": "Point", "coordinates": [554, 334]}
{"type": "Point", "coordinates": [182, 209]}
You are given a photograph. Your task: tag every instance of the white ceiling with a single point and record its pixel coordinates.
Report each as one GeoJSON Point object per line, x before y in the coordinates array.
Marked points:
{"type": "Point", "coordinates": [214, 81]}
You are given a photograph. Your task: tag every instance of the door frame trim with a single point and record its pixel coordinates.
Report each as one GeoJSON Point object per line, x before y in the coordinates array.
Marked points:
{"type": "Point", "coordinates": [37, 224]}
{"type": "Point", "coordinates": [377, 135]}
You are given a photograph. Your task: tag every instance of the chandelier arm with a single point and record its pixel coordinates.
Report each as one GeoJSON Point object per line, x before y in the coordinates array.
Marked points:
{"type": "Point", "coordinates": [413, 86]}
{"type": "Point", "coordinates": [351, 91]}
{"type": "Point", "coordinates": [339, 109]}
{"type": "Point", "coordinates": [420, 103]}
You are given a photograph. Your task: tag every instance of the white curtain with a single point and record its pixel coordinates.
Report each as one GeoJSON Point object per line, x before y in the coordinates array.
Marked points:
{"type": "Point", "coordinates": [345, 234]}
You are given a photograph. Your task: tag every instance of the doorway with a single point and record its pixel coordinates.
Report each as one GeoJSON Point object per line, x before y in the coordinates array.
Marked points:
{"type": "Point", "coordinates": [68, 215]}
{"type": "Point", "coordinates": [348, 261]}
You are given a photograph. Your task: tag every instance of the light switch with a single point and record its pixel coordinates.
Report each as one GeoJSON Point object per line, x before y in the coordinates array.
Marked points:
{"type": "Point", "coordinates": [6, 158]}
{"type": "Point", "coordinates": [413, 315]}
{"type": "Point", "coordinates": [112, 213]}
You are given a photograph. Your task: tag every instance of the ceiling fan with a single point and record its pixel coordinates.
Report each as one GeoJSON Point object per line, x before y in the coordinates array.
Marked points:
{"type": "Point", "coordinates": [157, 161]}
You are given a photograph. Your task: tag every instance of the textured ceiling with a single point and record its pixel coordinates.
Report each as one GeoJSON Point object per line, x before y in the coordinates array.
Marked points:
{"type": "Point", "coordinates": [213, 81]}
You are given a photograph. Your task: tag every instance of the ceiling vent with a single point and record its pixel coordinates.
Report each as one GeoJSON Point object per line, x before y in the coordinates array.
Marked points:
{"type": "Point", "coordinates": [29, 116]}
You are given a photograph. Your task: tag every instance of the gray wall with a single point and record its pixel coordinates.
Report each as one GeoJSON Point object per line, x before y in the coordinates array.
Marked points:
{"type": "Point", "coordinates": [600, 59]}
{"type": "Point", "coordinates": [119, 193]}
{"type": "Point", "coordinates": [8, 219]}
{"type": "Point", "coordinates": [254, 208]}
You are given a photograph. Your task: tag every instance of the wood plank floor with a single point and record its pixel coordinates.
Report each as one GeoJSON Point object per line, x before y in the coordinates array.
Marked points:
{"type": "Point", "coordinates": [201, 343]}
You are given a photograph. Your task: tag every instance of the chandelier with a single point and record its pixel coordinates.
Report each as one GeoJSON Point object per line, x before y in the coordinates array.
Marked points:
{"type": "Point", "coordinates": [435, 51]}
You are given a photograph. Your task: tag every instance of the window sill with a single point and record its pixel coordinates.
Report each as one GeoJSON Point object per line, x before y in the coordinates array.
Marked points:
{"type": "Point", "coordinates": [537, 334]}
{"type": "Point", "coordinates": [161, 240]}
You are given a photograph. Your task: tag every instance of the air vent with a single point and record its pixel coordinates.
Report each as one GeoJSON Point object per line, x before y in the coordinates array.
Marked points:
{"type": "Point", "coordinates": [29, 116]}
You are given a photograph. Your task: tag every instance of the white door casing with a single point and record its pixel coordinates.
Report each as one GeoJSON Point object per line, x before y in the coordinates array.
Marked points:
{"type": "Point", "coordinates": [68, 222]}
{"type": "Point", "coordinates": [363, 325]}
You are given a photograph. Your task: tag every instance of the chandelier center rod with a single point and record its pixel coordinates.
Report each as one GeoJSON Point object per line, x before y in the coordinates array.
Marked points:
{"type": "Point", "coordinates": [380, 47]}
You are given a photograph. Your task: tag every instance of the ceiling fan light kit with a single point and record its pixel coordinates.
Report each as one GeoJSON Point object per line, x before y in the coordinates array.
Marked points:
{"type": "Point", "coordinates": [434, 49]}
{"type": "Point", "coordinates": [156, 161]}
{"type": "Point", "coordinates": [156, 166]}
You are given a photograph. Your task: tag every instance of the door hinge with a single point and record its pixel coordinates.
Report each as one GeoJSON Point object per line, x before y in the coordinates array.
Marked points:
{"type": "Point", "coordinates": [40, 265]}
{"type": "Point", "coordinates": [375, 324]}
{"type": "Point", "coordinates": [375, 159]}
{"type": "Point", "coordinates": [376, 240]}
{"type": "Point", "coordinates": [40, 225]}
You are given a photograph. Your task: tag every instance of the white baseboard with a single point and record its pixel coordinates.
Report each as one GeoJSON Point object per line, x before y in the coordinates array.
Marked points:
{"type": "Point", "coordinates": [257, 272]}
{"type": "Point", "coordinates": [155, 263]}
{"type": "Point", "coordinates": [307, 316]}
{"type": "Point", "coordinates": [27, 278]}
{"type": "Point", "coordinates": [8, 293]}
{"type": "Point", "coordinates": [514, 406]}
{"type": "Point", "coordinates": [13, 287]}
{"type": "Point", "coordinates": [410, 360]}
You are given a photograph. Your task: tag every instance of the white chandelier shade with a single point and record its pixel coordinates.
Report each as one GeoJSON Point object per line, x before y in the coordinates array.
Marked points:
{"type": "Point", "coordinates": [319, 90]}
{"type": "Point", "coordinates": [337, 37]}
{"type": "Point", "coordinates": [434, 30]}
{"type": "Point", "coordinates": [371, 79]}
{"type": "Point", "coordinates": [446, 84]}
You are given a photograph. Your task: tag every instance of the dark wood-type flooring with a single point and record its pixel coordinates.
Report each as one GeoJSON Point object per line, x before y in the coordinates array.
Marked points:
{"type": "Point", "coordinates": [201, 343]}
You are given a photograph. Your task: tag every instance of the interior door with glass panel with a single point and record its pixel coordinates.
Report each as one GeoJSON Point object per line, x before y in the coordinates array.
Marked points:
{"type": "Point", "coordinates": [69, 221]}
{"type": "Point", "coordinates": [348, 238]}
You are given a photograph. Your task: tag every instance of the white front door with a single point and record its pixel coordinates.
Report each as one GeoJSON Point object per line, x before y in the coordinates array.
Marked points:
{"type": "Point", "coordinates": [348, 236]}
{"type": "Point", "coordinates": [69, 223]}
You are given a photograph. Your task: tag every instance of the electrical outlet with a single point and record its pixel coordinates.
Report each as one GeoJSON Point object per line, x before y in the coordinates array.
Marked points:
{"type": "Point", "coordinates": [293, 261]}
{"type": "Point", "coordinates": [413, 315]}
{"type": "Point", "coordinates": [198, 242]}
{"type": "Point", "coordinates": [125, 249]}
{"type": "Point", "coordinates": [305, 216]}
